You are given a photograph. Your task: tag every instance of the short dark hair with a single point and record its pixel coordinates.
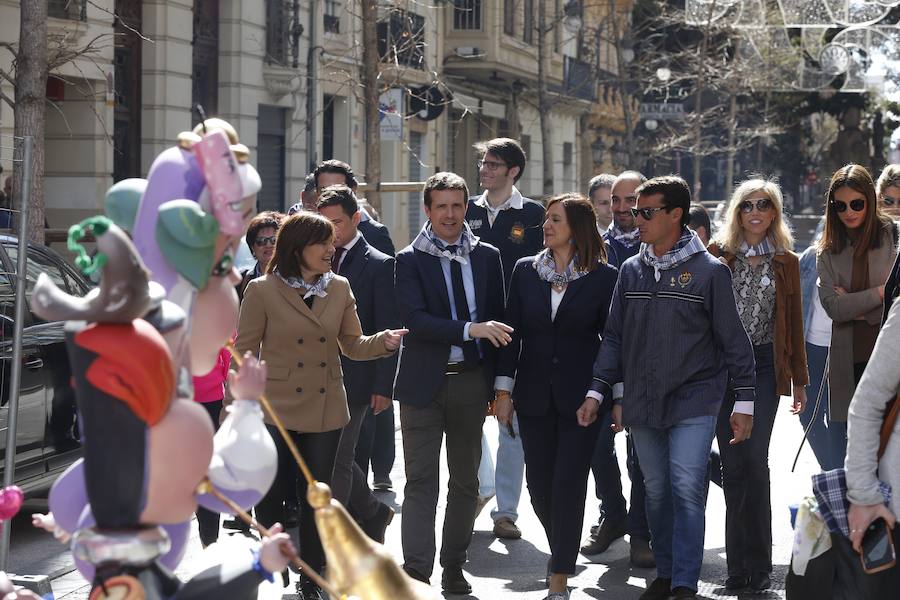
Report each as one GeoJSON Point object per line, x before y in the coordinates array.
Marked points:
{"type": "Point", "coordinates": [298, 231]}
{"type": "Point", "coordinates": [700, 218]}
{"type": "Point", "coordinates": [310, 184]}
{"type": "Point", "coordinates": [508, 150]}
{"type": "Point", "coordinates": [603, 180]}
{"type": "Point", "coordinates": [336, 166]}
{"type": "Point", "coordinates": [675, 194]}
{"type": "Point", "coordinates": [589, 247]}
{"type": "Point", "coordinates": [263, 220]}
{"type": "Point", "coordinates": [444, 181]}
{"type": "Point", "coordinates": [339, 195]}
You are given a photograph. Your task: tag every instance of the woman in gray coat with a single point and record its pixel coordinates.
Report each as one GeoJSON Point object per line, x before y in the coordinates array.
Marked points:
{"type": "Point", "coordinates": [854, 258]}
{"type": "Point", "coordinates": [879, 384]}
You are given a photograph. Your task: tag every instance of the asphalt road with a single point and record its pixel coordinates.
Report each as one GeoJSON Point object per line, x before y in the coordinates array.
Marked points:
{"type": "Point", "coordinates": [507, 569]}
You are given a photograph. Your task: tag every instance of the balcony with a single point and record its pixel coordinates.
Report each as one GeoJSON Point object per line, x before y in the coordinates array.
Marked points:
{"type": "Point", "coordinates": [71, 10]}
{"type": "Point", "coordinates": [283, 31]}
{"type": "Point", "coordinates": [401, 39]}
{"type": "Point", "coordinates": [578, 80]}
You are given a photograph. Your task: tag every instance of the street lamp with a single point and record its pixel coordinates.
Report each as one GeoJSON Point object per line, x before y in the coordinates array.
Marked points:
{"type": "Point", "coordinates": [651, 124]}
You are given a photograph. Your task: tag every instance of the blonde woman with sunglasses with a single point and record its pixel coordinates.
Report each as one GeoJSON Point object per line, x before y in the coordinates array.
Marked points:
{"type": "Point", "coordinates": [756, 243]}
{"type": "Point", "coordinates": [855, 255]}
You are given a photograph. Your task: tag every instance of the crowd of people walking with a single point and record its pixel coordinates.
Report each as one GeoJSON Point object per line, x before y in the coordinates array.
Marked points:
{"type": "Point", "coordinates": [561, 319]}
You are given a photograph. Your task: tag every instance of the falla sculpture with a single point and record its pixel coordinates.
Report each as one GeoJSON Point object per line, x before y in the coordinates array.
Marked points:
{"type": "Point", "coordinates": [163, 308]}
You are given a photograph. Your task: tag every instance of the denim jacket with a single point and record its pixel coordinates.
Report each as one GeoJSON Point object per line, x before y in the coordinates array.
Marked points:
{"type": "Point", "coordinates": [808, 278]}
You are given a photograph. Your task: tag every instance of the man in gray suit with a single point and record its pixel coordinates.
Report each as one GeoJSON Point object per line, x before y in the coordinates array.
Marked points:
{"type": "Point", "coordinates": [368, 383]}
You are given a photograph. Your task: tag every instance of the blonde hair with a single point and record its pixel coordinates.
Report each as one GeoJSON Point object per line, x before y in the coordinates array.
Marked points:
{"type": "Point", "coordinates": [889, 177]}
{"type": "Point", "coordinates": [730, 237]}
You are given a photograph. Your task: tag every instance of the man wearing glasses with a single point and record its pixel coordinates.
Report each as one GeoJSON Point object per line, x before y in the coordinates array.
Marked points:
{"type": "Point", "coordinates": [683, 343]}
{"type": "Point", "coordinates": [503, 218]}
{"type": "Point", "coordinates": [616, 518]}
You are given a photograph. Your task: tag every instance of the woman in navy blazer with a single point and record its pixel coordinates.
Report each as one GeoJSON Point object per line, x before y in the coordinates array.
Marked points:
{"type": "Point", "coordinates": [557, 306]}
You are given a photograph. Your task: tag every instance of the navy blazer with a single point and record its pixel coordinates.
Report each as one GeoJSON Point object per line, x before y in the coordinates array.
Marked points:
{"type": "Point", "coordinates": [424, 307]}
{"type": "Point", "coordinates": [371, 276]}
{"type": "Point", "coordinates": [552, 361]}
{"type": "Point", "coordinates": [377, 235]}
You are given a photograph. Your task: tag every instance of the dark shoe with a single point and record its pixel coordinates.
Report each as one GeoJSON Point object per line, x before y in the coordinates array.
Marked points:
{"type": "Point", "coordinates": [308, 590]}
{"type": "Point", "coordinates": [683, 593]}
{"type": "Point", "coordinates": [737, 582]}
{"type": "Point", "coordinates": [416, 575]}
{"type": "Point", "coordinates": [641, 554]}
{"type": "Point", "coordinates": [375, 526]}
{"type": "Point", "coordinates": [660, 589]}
{"type": "Point", "coordinates": [453, 582]}
{"type": "Point", "coordinates": [291, 514]}
{"type": "Point", "coordinates": [760, 582]}
{"type": "Point", "coordinates": [504, 528]}
{"type": "Point", "coordinates": [382, 484]}
{"type": "Point", "coordinates": [606, 534]}
{"type": "Point", "coordinates": [235, 525]}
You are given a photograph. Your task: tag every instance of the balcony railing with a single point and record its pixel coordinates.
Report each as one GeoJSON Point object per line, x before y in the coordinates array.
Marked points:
{"type": "Point", "coordinates": [578, 80]}
{"type": "Point", "coordinates": [401, 39]}
{"type": "Point", "coordinates": [73, 10]}
{"type": "Point", "coordinates": [467, 15]}
{"type": "Point", "coordinates": [283, 30]}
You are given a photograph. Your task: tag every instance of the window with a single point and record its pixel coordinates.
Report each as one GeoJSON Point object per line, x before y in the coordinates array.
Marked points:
{"type": "Point", "coordinates": [332, 16]}
{"type": "Point", "coordinates": [567, 163]}
{"type": "Point", "coordinates": [401, 39]}
{"type": "Point", "coordinates": [528, 27]}
{"type": "Point", "coordinates": [35, 263]}
{"type": "Point", "coordinates": [467, 14]}
{"type": "Point", "coordinates": [75, 10]}
{"type": "Point", "coordinates": [509, 17]}
{"type": "Point", "coordinates": [270, 158]}
{"type": "Point", "coordinates": [277, 42]}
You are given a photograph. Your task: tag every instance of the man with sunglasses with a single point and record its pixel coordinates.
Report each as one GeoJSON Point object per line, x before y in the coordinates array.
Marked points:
{"type": "Point", "coordinates": [616, 518]}
{"type": "Point", "coordinates": [683, 343]}
{"type": "Point", "coordinates": [502, 217]}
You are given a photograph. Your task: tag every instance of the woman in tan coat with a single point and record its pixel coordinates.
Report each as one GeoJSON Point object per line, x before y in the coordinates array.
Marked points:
{"type": "Point", "coordinates": [300, 317]}
{"type": "Point", "coordinates": [854, 258]}
{"type": "Point", "coordinates": [755, 243]}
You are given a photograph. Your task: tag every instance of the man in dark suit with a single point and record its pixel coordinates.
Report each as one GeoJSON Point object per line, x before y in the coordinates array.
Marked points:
{"type": "Point", "coordinates": [450, 290]}
{"type": "Point", "coordinates": [336, 172]}
{"type": "Point", "coordinates": [368, 383]}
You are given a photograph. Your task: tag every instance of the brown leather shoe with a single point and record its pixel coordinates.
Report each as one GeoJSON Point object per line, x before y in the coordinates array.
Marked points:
{"type": "Point", "coordinates": [505, 528]}
{"type": "Point", "coordinates": [605, 535]}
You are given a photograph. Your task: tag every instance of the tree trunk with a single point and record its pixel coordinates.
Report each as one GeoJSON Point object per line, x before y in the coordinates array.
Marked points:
{"type": "Point", "coordinates": [543, 103]}
{"type": "Point", "coordinates": [630, 149]}
{"type": "Point", "coordinates": [371, 95]}
{"type": "Point", "coordinates": [761, 142]}
{"type": "Point", "coordinates": [732, 126]}
{"type": "Point", "coordinates": [31, 86]}
{"type": "Point", "coordinates": [698, 102]}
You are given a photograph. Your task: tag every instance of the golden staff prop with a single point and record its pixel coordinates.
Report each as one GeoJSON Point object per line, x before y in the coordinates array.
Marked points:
{"type": "Point", "coordinates": [357, 566]}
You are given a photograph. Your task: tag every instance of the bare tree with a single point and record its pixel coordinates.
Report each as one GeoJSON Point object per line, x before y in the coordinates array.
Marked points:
{"type": "Point", "coordinates": [370, 76]}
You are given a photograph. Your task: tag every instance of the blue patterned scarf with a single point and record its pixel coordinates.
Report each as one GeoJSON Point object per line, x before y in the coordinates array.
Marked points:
{"type": "Point", "coordinates": [314, 289]}
{"type": "Point", "coordinates": [686, 246]}
{"type": "Point", "coordinates": [546, 269]}
{"type": "Point", "coordinates": [429, 243]}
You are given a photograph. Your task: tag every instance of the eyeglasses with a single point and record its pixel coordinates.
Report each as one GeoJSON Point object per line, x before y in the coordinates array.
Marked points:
{"type": "Point", "coordinates": [888, 201]}
{"type": "Point", "coordinates": [855, 205]}
{"type": "Point", "coordinates": [490, 164]}
{"type": "Point", "coordinates": [269, 240]}
{"type": "Point", "coordinates": [761, 204]}
{"type": "Point", "coordinates": [646, 213]}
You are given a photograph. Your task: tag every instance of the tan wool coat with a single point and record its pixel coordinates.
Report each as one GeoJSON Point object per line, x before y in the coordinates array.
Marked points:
{"type": "Point", "coordinates": [837, 269]}
{"type": "Point", "coordinates": [302, 348]}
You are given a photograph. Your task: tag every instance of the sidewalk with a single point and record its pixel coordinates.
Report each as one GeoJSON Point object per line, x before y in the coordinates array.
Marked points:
{"type": "Point", "coordinates": [515, 569]}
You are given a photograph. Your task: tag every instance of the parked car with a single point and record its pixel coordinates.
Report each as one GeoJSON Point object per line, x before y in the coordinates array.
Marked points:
{"type": "Point", "coordinates": [47, 436]}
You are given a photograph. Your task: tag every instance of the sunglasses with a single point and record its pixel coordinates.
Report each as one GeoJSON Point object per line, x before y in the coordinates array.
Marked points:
{"type": "Point", "coordinates": [888, 201]}
{"type": "Point", "coordinates": [265, 241]}
{"type": "Point", "coordinates": [646, 213]}
{"type": "Point", "coordinates": [855, 205]}
{"type": "Point", "coordinates": [761, 204]}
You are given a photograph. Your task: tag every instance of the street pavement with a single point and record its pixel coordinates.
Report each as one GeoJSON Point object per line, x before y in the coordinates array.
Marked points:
{"type": "Point", "coordinates": [501, 568]}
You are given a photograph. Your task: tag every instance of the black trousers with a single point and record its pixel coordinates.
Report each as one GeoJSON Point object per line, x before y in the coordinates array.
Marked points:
{"type": "Point", "coordinates": [558, 455]}
{"type": "Point", "coordinates": [319, 451]}
{"type": "Point", "coordinates": [207, 520]}
{"type": "Point", "coordinates": [745, 475]}
{"type": "Point", "coordinates": [376, 445]}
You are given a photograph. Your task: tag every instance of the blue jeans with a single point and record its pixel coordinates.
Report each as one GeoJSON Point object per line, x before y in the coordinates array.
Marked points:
{"type": "Point", "coordinates": [674, 462]}
{"type": "Point", "coordinates": [828, 439]}
{"type": "Point", "coordinates": [506, 480]}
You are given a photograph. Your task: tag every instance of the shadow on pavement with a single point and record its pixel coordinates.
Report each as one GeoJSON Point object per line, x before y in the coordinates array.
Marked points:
{"type": "Point", "coordinates": [523, 566]}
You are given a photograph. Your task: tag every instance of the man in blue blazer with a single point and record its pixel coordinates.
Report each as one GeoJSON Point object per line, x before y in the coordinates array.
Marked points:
{"type": "Point", "coordinates": [368, 383]}
{"type": "Point", "coordinates": [450, 291]}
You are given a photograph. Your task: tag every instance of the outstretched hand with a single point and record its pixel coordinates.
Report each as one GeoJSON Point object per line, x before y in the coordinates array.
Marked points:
{"type": "Point", "coordinates": [393, 337]}
{"type": "Point", "coordinates": [248, 383]}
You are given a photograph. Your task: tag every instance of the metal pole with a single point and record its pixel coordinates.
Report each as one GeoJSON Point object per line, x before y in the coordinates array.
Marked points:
{"type": "Point", "coordinates": [16, 366]}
